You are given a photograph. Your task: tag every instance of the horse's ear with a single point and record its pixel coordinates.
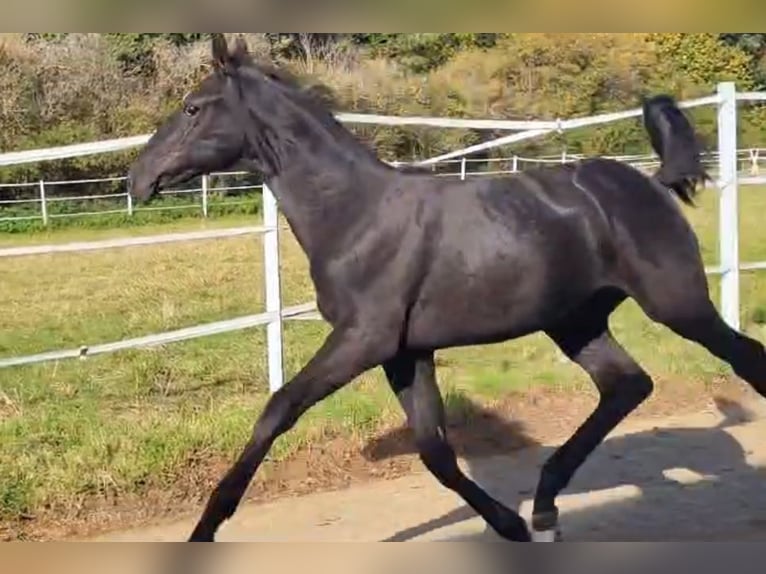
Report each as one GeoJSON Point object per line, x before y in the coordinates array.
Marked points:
{"type": "Point", "coordinates": [240, 52]}
{"type": "Point", "coordinates": [220, 51]}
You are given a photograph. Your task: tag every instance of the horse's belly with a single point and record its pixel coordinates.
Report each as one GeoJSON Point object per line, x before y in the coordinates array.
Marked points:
{"type": "Point", "coordinates": [501, 304]}
{"type": "Point", "coordinates": [463, 319]}
{"type": "Point", "coordinates": [432, 333]}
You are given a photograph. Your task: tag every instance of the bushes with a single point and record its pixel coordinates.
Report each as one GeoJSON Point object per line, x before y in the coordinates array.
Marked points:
{"type": "Point", "coordinates": [62, 88]}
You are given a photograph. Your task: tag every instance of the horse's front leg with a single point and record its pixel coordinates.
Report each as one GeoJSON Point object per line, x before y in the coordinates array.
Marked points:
{"type": "Point", "coordinates": [345, 354]}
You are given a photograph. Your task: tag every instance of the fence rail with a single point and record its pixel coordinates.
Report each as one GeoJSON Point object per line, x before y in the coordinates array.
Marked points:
{"type": "Point", "coordinates": [130, 241]}
{"type": "Point", "coordinates": [726, 160]}
{"type": "Point", "coordinates": [748, 162]}
{"type": "Point", "coordinates": [41, 200]}
{"type": "Point", "coordinates": [185, 334]}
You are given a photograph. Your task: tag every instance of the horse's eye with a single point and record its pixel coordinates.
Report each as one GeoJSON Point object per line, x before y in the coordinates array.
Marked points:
{"type": "Point", "coordinates": [191, 110]}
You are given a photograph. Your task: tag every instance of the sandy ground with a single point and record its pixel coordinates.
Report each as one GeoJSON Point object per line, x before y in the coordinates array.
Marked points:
{"type": "Point", "coordinates": [689, 477]}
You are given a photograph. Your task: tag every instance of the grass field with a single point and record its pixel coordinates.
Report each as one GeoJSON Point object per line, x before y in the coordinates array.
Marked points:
{"type": "Point", "coordinates": [126, 423]}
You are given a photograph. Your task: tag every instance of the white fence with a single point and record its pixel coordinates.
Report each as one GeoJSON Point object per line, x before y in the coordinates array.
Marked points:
{"type": "Point", "coordinates": [43, 194]}
{"type": "Point", "coordinates": [727, 159]}
{"type": "Point", "coordinates": [39, 197]}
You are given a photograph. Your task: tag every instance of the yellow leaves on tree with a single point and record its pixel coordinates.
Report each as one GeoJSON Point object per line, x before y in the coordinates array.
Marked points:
{"type": "Point", "coordinates": [702, 60]}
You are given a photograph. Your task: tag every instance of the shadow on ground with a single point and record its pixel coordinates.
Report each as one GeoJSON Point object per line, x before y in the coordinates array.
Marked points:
{"type": "Point", "coordinates": [660, 485]}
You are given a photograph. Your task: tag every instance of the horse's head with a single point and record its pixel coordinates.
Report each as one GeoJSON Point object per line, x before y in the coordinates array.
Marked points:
{"type": "Point", "coordinates": [205, 134]}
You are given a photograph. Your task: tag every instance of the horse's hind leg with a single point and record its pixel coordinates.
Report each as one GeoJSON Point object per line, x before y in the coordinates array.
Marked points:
{"type": "Point", "coordinates": [676, 295]}
{"type": "Point", "coordinates": [622, 385]}
{"type": "Point", "coordinates": [412, 377]}
{"type": "Point", "coordinates": [698, 320]}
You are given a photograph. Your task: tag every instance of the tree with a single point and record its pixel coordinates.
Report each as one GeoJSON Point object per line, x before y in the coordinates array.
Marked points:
{"type": "Point", "coordinates": [755, 45]}
{"type": "Point", "coordinates": [704, 60]}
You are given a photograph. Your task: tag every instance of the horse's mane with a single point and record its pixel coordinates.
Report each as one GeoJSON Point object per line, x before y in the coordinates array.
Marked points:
{"type": "Point", "coordinates": [311, 92]}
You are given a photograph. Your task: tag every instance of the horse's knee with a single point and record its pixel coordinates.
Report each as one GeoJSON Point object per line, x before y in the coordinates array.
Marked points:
{"type": "Point", "coordinates": [440, 459]}
{"type": "Point", "coordinates": [631, 389]}
{"type": "Point", "coordinates": [642, 386]}
{"type": "Point", "coordinates": [617, 375]}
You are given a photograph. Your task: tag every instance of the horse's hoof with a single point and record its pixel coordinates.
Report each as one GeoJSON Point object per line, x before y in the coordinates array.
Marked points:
{"type": "Point", "coordinates": [201, 536]}
{"type": "Point", "coordinates": [545, 527]}
{"type": "Point", "coordinates": [552, 535]}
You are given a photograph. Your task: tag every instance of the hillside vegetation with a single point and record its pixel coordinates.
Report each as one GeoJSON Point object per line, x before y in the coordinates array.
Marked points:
{"type": "Point", "coordinates": [65, 88]}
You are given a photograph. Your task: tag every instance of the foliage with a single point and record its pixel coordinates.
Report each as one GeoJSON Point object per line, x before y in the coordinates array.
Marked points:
{"type": "Point", "coordinates": [60, 88]}
{"type": "Point", "coordinates": [703, 59]}
{"type": "Point", "coordinates": [421, 53]}
{"type": "Point", "coordinates": [755, 46]}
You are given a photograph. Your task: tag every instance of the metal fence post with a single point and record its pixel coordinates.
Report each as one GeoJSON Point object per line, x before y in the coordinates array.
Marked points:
{"type": "Point", "coordinates": [43, 204]}
{"type": "Point", "coordinates": [462, 168]}
{"type": "Point", "coordinates": [205, 184]}
{"type": "Point", "coordinates": [273, 295]}
{"type": "Point", "coordinates": [130, 204]}
{"type": "Point", "coordinates": [728, 209]}
{"type": "Point", "coordinates": [515, 167]}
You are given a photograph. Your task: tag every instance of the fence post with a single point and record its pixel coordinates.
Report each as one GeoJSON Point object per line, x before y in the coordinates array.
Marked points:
{"type": "Point", "coordinates": [515, 164]}
{"type": "Point", "coordinates": [130, 204]}
{"type": "Point", "coordinates": [754, 156]}
{"type": "Point", "coordinates": [205, 184]}
{"type": "Point", "coordinates": [43, 204]}
{"type": "Point", "coordinates": [462, 168]}
{"type": "Point", "coordinates": [273, 296]}
{"type": "Point", "coordinates": [728, 209]}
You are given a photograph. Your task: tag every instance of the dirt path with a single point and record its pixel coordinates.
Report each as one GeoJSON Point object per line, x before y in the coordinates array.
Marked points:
{"type": "Point", "coordinates": [689, 477]}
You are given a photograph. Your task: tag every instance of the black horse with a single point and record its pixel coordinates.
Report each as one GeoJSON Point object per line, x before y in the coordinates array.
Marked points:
{"type": "Point", "coordinates": [405, 263]}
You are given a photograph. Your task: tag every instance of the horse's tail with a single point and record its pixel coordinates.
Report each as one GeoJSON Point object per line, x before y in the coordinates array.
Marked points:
{"type": "Point", "coordinates": [675, 141]}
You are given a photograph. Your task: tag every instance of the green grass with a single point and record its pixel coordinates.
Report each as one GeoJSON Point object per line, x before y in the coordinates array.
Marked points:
{"type": "Point", "coordinates": [133, 421]}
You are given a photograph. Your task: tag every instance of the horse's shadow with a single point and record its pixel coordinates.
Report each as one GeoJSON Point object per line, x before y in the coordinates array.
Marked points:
{"type": "Point", "coordinates": [675, 483]}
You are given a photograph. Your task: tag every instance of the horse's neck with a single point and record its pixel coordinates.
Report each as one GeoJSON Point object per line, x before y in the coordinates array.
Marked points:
{"type": "Point", "coordinates": [323, 178]}
{"type": "Point", "coordinates": [324, 200]}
